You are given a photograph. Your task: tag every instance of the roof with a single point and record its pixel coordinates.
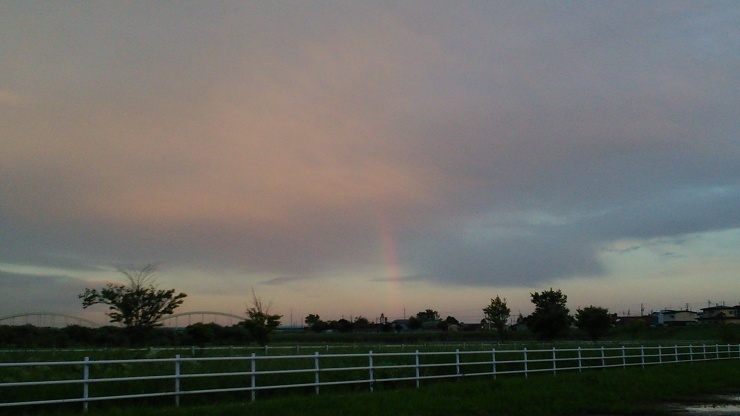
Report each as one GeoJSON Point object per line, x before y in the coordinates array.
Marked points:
{"type": "Point", "coordinates": [714, 308]}
{"type": "Point", "coordinates": [664, 311]}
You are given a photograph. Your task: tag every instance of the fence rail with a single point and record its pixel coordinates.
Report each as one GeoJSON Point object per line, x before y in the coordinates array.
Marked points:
{"type": "Point", "coordinates": [87, 381]}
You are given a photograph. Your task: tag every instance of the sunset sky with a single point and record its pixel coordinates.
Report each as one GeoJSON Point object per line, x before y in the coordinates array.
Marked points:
{"type": "Point", "coordinates": [350, 158]}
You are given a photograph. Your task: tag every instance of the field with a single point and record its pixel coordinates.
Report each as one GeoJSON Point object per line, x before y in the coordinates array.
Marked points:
{"type": "Point", "coordinates": [616, 391]}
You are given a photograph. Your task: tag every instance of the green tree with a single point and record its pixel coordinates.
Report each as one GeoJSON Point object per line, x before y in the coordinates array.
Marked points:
{"type": "Point", "coordinates": [361, 323]}
{"type": "Point", "coordinates": [315, 323]}
{"type": "Point", "coordinates": [594, 320]}
{"type": "Point", "coordinates": [414, 323]}
{"type": "Point", "coordinates": [550, 319]}
{"type": "Point", "coordinates": [312, 320]}
{"type": "Point", "coordinates": [427, 319]}
{"type": "Point", "coordinates": [449, 321]}
{"type": "Point", "coordinates": [497, 314]}
{"type": "Point", "coordinates": [260, 322]}
{"type": "Point", "coordinates": [342, 325]}
{"type": "Point", "coordinates": [428, 315]}
{"type": "Point", "coordinates": [138, 304]}
{"type": "Point", "coordinates": [202, 334]}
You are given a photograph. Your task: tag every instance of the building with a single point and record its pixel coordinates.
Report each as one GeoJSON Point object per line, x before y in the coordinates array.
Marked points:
{"type": "Point", "coordinates": [668, 317]}
{"type": "Point", "coordinates": [720, 314]}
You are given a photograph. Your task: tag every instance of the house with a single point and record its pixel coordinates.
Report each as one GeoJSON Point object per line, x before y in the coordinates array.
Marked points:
{"type": "Point", "coordinates": [668, 317]}
{"type": "Point", "coordinates": [400, 325]}
{"type": "Point", "coordinates": [720, 314]}
{"type": "Point", "coordinates": [630, 320]}
{"type": "Point", "coordinates": [519, 326]}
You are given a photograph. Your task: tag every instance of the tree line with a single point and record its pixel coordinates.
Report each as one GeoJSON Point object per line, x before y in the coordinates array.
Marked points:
{"type": "Point", "coordinates": [550, 320]}
{"type": "Point", "coordinates": [140, 306]}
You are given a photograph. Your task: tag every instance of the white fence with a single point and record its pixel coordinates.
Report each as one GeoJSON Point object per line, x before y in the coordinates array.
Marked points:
{"type": "Point", "coordinates": [86, 381]}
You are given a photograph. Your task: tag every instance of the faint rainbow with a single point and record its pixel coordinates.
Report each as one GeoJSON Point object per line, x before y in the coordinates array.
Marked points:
{"type": "Point", "coordinates": [392, 268]}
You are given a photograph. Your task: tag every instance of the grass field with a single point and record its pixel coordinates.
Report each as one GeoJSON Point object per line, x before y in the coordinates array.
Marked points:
{"type": "Point", "coordinates": [616, 391]}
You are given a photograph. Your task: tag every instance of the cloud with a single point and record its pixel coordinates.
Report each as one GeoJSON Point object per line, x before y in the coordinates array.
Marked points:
{"type": "Point", "coordinates": [493, 143]}
{"type": "Point", "coordinates": [528, 259]}
{"type": "Point", "coordinates": [32, 293]}
{"type": "Point", "coordinates": [13, 100]}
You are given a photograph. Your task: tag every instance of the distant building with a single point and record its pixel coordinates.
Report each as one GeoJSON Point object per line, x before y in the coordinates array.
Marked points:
{"type": "Point", "coordinates": [720, 314]}
{"type": "Point", "coordinates": [668, 317]}
{"type": "Point", "coordinates": [626, 320]}
{"type": "Point", "coordinates": [520, 325]}
{"type": "Point", "coordinates": [400, 325]}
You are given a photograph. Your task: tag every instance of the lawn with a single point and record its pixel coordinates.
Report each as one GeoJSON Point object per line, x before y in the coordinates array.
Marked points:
{"type": "Point", "coordinates": [614, 391]}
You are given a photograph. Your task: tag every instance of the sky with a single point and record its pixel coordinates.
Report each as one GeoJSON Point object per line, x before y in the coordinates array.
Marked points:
{"type": "Point", "coordinates": [356, 158]}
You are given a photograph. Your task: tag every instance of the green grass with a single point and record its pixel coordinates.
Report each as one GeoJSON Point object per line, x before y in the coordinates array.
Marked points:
{"type": "Point", "coordinates": [387, 366]}
{"type": "Point", "coordinates": [615, 391]}
{"type": "Point", "coordinates": [328, 394]}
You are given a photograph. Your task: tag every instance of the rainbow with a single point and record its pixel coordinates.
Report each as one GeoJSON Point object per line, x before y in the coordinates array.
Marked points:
{"type": "Point", "coordinates": [392, 268]}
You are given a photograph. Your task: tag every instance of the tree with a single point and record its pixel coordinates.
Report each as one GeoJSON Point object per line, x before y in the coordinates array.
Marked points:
{"type": "Point", "coordinates": [447, 323]}
{"type": "Point", "coordinates": [594, 320]}
{"type": "Point", "coordinates": [260, 322]}
{"type": "Point", "coordinates": [343, 325]}
{"type": "Point", "coordinates": [550, 318]}
{"type": "Point", "coordinates": [315, 323]}
{"type": "Point", "coordinates": [312, 320]}
{"type": "Point", "coordinates": [427, 319]}
{"type": "Point", "coordinates": [201, 333]}
{"type": "Point", "coordinates": [497, 314]}
{"type": "Point", "coordinates": [414, 323]}
{"type": "Point", "coordinates": [361, 323]}
{"type": "Point", "coordinates": [138, 304]}
{"type": "Point", "coordinates": [428, 315]}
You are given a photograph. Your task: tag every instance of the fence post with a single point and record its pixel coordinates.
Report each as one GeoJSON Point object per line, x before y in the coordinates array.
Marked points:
{"type": "Point", "coordinates": [642, 355]}
{"type": "Point", "coordinates": [526, 375]}
{"type": "Point", "coordinates": [457, 362]}
{"type": "Point", "coordinates": [675, 350]}
{"type": "Point", "coordinates": [370, 356]}
{"type": "Point", "coordinates": [85, 384]}
{"type": "Point", "coordinates": [704, 349]}
{"type": "Point", "coordinates": [580, 361]}
{"type": "Point", "coordinates": [624, 357]}
{"type": "Point", "coordinates": [253, 370]}
{"type": "Point", "coordinates": [493, 356]}
{"type": "Point", "coordinates": [554, 363]}
{"type": "Point", "coordinates": [417, 368]}
{"type": "Point", "coordinates": [691, 353]}
{"type": "Point", "coordinates": [603, 358]}
{"type": "Point", "coordinates": [316, 370]}
{"type": "Point", "coordinates": [177, 380]}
